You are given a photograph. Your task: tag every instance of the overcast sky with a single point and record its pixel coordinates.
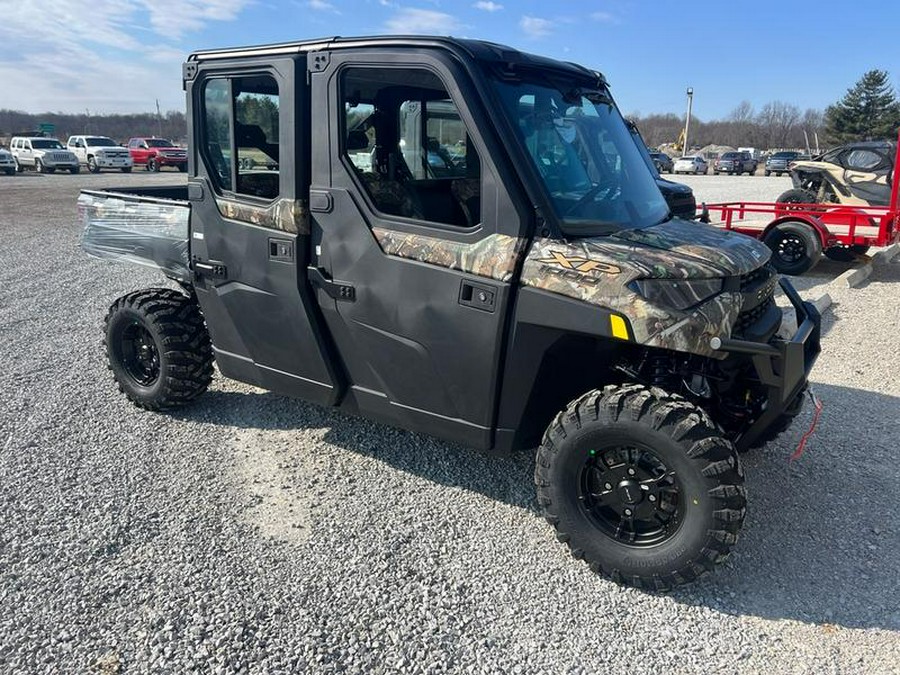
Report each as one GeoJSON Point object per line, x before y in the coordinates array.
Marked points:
{"type": "Point", "coordinates": [121, 55]}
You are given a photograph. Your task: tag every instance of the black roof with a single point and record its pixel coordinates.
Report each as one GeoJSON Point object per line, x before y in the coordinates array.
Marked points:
{"type": "Point", "coordinates": [477, 49]}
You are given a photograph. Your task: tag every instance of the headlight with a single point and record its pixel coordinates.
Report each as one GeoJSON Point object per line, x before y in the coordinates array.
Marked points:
{"type": "Point", "coordinates": [677, 293]}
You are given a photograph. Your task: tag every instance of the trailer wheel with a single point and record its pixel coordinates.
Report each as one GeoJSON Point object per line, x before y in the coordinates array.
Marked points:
{"type": "Point", "coordinates": [846, 253]}
{"type": "Point", "coordinates": [641, 485]}
{"type": "Point", "coordinates": [158, 349]}
{"type": "Point", "coordinates": [796, 248]}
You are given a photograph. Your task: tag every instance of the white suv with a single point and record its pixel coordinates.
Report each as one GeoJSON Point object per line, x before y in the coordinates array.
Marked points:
{"type": "Point", "coordinates": [100, 152]}
{"type": "Point", "coordinates": [44, 155]}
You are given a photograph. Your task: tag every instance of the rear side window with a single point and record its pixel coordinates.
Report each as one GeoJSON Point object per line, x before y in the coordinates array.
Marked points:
{"type": "Point", "coordinates": [240, 135]}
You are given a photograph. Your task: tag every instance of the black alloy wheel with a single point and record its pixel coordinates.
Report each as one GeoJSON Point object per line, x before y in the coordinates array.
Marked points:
{"type": "Point", "coordinates": [140, 355]}
{"type": "Point", "coordinates": [796, 247]}
{"type": "Point", "coordinates": [631, 495]}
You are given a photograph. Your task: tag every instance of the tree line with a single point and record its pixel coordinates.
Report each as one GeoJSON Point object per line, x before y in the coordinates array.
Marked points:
{"type": "Point", "coordinates": [869, 110]}
{"type": "Point", "coordinates": [119, 127]}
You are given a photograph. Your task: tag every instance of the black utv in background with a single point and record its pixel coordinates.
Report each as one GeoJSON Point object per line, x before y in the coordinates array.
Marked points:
{"type": "Point", "coordinates": [463, 240]}
{"type": "Point", "coordinates": [678, 196]}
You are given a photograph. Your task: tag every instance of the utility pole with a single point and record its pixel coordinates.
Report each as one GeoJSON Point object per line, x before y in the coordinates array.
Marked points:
{"type": "Point", "coordinates": [87, 120]}
{"type": "Point", "coordinates": [158, 118]}
{"type": "Point", "coordinates": [687, 122]}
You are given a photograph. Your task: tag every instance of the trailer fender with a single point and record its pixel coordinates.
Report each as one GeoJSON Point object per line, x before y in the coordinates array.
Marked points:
{"type": "Point", "coordinates": [822, 232]}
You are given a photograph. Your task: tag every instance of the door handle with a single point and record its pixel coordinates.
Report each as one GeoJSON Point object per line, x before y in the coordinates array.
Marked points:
{"type": "Point", "coordinates": [336, 290]}
{"type": "Point", "coordinates": [212, 269]}
{"type": "Point", "coordinates": [479, 296]}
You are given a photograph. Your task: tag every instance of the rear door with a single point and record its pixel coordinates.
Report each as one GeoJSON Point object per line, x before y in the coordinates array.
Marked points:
{"type": "Point", "coordinates": [250, 229]}
{"type": "Point", "coordinates": [416, 240]}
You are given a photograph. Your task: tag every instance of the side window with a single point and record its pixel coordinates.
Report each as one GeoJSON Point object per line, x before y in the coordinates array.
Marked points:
{"type": "Point", "coordinates": [241, 119]}
{"type": "Point", "coordinates": [862, 160]}
{"type": "Point", "coordinates": [404, 140]}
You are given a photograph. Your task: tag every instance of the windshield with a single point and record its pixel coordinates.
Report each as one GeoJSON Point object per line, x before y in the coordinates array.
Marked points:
{"type": "Point", "coordinates": [785, 155]}
{"type": "Point", "coordinates": [595, 175]}
{"type": "Point", "coordinates": [159, 143]}
{"type": "Point", "coordinates": [46, 144]}
{"type": "Point", "coordinates": [100, 142]}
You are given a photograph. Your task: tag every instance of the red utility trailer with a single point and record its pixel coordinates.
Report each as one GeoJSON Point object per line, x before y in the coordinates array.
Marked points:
{"type": "Point", "coordinates": [799, 234]}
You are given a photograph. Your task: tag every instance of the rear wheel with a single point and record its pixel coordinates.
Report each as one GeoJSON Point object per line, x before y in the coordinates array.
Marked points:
{"type": "Point", "coordinates": [158, 348]}
{"type": "Point", "coordinates": [641, 485]}
{"type": "Point", "coordinates": [796, 247]}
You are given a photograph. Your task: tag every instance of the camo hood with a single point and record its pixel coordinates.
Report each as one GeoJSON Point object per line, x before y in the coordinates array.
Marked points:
{"type": "Point", "coordinates": [598, 270]}
{"type": "Point", "coordinates": [673, 250]}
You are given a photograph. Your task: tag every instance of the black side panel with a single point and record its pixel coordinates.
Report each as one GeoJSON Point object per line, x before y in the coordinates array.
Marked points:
{"type": "Point", "coordinates": [559, 348]}
{"type": "Point", "coordinates": [417, 357]}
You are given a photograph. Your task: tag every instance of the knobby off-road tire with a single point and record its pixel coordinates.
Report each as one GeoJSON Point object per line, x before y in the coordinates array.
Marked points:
{"type": "Point", "coordinates": [158, 348]}
{"type": "Point", "coordinates": [655, 463]}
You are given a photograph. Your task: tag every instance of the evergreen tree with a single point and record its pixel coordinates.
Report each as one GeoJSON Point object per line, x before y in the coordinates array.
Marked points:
{"type": "Point", "coordinates": [869, 110]}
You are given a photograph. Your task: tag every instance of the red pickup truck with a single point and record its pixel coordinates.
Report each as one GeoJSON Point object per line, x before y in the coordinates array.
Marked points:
{"type": "Point", "coordinates": [155, 153]}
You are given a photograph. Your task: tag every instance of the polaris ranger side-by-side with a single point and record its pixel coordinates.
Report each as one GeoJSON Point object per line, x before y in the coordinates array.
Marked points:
{"type": "Point", "coordinates": [463, 240]}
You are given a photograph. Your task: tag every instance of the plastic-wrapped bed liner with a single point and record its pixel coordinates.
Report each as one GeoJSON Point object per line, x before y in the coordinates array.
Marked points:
{"type": "Point", "coordinates": [142, 230]}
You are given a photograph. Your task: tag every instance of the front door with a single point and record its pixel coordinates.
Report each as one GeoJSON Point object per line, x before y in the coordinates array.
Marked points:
{"type": "Point", "coordinates": [249, 232]}
{"type": "Point", "coordinates": [412, 257]}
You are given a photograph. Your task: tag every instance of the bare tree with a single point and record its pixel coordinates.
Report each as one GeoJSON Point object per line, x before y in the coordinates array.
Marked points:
{"type": "Point", "coordinates": [777, 120]}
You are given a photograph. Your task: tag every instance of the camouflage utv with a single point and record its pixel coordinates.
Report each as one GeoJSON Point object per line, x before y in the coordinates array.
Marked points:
{"type": "Point", "coordinates": [463, 240]}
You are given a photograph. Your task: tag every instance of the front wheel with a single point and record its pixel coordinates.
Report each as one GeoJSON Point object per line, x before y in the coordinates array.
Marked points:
{"type": "Point", "coordinates": [796, 247]}
{"type": "Point", "coordinates": [158, 348]}
{"type": "Point", "coordinates": [39, 166]}
{"type": "Point", "coordinates": [152, 165]}
{"type": "Point", "coordinates": [641, 485]}
{"type": "Point", "coordinates": [92, 165]}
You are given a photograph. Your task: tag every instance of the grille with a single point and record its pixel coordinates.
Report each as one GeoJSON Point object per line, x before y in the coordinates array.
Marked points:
{"type": "Point", "coordinates": [746, 319]}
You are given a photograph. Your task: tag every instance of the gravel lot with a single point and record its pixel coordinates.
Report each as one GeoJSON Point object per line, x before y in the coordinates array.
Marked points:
{"type": "Point", "coordinates": [254, 534]}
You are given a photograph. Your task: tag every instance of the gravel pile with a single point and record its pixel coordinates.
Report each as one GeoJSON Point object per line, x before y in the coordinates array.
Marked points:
{"type": "Point", "coordinates": [254, 534]}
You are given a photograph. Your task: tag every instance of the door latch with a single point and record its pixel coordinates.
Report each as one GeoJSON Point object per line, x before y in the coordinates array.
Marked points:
{"type": "Point", "coordinates": [337, 290]}
{"type": "Point", "coordinates": [213, 269]}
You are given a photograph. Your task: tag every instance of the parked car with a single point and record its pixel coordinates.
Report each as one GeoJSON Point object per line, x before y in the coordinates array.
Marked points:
{"type": "Point", "coordinates": [691, 164]}
{"type": "Point", "coordinates": [100, 152]}
{"type": "Point", "coordinates": [735, 163]}
{"type": "Point", "coordinates": [155, 153]}
{"type": "Point", "coordinates": [663, 162]}
{"type": "Point", "coordinates": [7, 163]}
{"type": "Point", "coordinates": [44, 155]}
{"type": "Point", "coordinates": [780, 162]}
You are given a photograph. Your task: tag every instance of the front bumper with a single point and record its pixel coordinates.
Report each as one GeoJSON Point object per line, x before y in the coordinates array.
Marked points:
{"type": "Point", "coordinates": [783, 367]}
{"type": "Point", "coordinates": [170, 161]}
{"type": "Point", "coordinates": [780, 168]}
{"type": "Point", "coordinates": [113, 162]}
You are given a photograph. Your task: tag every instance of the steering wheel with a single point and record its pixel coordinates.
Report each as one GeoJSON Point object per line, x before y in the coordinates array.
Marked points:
{"type": "Point", "coordinates": [614, 190]}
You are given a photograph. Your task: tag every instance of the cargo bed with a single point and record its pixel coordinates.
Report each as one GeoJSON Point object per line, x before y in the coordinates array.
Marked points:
{"type": "Point", "coordinates": [148, 226]}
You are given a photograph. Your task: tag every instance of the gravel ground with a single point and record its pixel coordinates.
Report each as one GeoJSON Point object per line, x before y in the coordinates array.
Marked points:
{"type": "Point", "coordinates": [254, 534]}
